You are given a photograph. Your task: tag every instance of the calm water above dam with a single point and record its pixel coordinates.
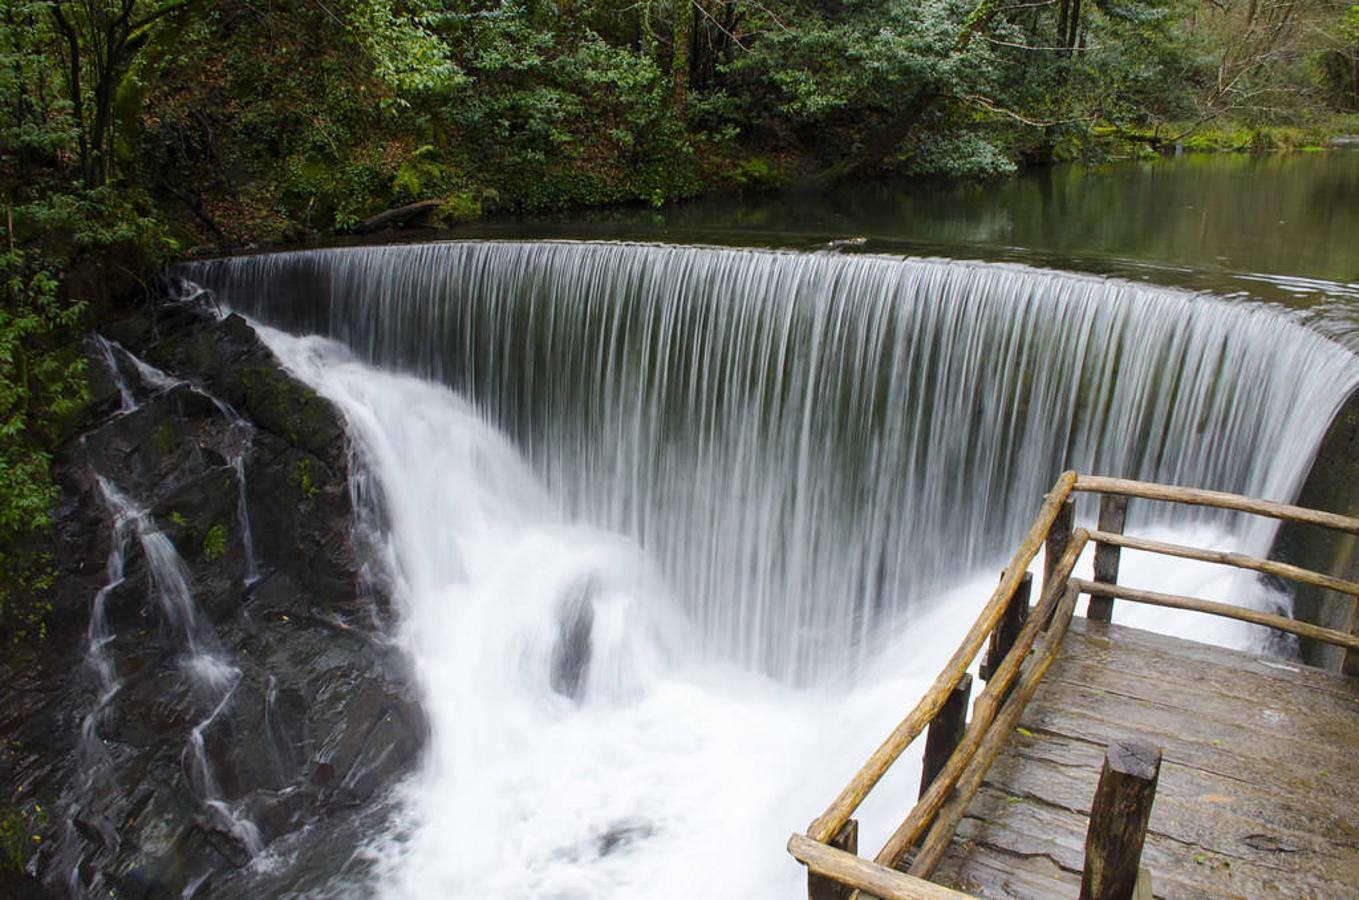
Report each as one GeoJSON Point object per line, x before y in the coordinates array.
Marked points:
{"type": "Point", "coordinates": [1278, 227]}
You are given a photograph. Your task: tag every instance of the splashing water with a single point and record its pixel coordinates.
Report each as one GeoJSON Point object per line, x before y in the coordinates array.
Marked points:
{"type": "Point", "coordinates": [212, 678]}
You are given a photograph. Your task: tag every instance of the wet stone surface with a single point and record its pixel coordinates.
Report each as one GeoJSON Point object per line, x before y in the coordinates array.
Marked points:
{"type": "Point", "coordinates": [217, 676]}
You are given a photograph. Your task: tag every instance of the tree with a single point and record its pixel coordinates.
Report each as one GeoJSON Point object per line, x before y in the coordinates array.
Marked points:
{"type": "Point", "coordinates": [1339, 60]}
{"type": "Point", "coordinates": [99, 43]}
{"type": "Point", "coordinates": [61, 245]}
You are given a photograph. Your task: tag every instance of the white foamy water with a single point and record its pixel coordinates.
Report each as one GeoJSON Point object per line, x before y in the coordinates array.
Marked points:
{"type": "Point", "coordinates": [669, 773]}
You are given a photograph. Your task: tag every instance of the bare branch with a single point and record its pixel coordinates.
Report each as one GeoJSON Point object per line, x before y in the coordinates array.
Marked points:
{"type": "Point", "coordinates": [718, 25]}
{"type": "Point", "coordinates": [996, 40]}
{"type": "Point", "coordinates": [991, 106]}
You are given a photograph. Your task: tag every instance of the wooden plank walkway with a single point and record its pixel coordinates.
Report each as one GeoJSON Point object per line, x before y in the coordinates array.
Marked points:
{"type": "Point", "coordinates": [1259, 785]}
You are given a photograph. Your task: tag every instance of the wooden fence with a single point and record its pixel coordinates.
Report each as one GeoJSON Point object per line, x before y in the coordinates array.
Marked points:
{"type": "Point", "coordinates": [1022, 642]}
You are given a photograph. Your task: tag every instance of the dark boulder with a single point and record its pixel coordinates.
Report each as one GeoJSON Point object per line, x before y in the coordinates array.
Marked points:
{"type": "Point", "coordinates": [573, 649]}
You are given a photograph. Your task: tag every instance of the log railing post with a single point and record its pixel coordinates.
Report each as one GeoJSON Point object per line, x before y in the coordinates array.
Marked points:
{"type": "Point", "coordinates": [1113, 511]}
{"type": "Point", "coordinates": [1059, 535]}
{"type": "Point", "coordinates": [946, 730]}
{"type": "Point", "coordinates": [1008, 628]}
{"type": "Point", "coordinates": [1118, 820]}
{"type": "Point", "coordinates": [819, 887]}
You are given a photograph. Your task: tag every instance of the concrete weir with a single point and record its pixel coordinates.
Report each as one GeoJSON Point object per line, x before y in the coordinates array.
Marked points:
{"type": "Point", "coordinates": [1333, 484]}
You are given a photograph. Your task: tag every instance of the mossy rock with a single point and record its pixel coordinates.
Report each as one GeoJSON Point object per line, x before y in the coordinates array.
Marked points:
{"type": "Point", "coordinates": [281, 404]}
{"type": "Point", "coordinates": [199, 517]}
{"type": "Point", "coordinates": [195, 350]}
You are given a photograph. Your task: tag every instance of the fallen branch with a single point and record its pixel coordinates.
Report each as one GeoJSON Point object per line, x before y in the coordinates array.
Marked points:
{"type": "Point", "coordinates": [400, 216]}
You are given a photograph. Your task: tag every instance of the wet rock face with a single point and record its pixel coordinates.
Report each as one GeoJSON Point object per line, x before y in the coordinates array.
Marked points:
{"type": "Point", "coordinates": [216, 677]}
{"type": "Point", "coordinates": [572, 651]}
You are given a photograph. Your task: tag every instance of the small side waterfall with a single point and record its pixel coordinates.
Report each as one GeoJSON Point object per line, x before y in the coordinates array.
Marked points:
{"type": "Point", "coordinates": [211, 678]}
{"type": "Point", "coordinates": [806, 444]}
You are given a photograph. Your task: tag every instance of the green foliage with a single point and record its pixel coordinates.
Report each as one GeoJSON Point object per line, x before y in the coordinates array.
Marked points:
{"type": "Point", "coordinates": [19, 833]}
{"type": "Point", "coordinates": [41, 386]}
{"type": "Point", "coordinates": [215, 542]}
{"type": "Point", "coordinates": [65, 247]}
{"type": "Point", "coordinates": [406, 55]}
{"type": "Point", "coordinates": [847, 66]}
{"type": "Point", "coordinates": [561, 118]}
{"type": "Point", "coordinates": [1336, 65]}
{"type": "Point", "coordinates": [460, 206]}
{"type": "Point", "coordinates": [296, 117]}
{"type": "Point", "coordinates": [960, 155]}
{"type": "Point", "coordinates": [305, 486]}
{"type": "Point", "coordinates": [753, 172]}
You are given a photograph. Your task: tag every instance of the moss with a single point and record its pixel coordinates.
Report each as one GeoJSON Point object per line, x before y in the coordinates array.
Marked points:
{"type": "Point", "coordinates": [167, 439]}
{"type": "Point", "coordinates": [194, 351]}
{"type": "Point", "coordinates": [303, 479]}
{"type": "Point", "coordinates": [1234, 137]}
{"type": "Point", "coordinates": [20, 834]}
{"type": "Point", "coordinates": [215, 542]}
{"type": "Point", "coordinates": [460, 206]}
{"type": "Point", "coordinates": [286, 407]}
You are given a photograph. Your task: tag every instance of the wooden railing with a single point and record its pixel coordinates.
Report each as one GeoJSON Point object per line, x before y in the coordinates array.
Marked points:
{"type": "Point", "coordinates": [1022, 643]}
{"type": "Point", "coordinates": [1108, 535]}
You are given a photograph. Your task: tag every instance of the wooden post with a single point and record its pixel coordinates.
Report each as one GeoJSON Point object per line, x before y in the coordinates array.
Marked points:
{"type": "Point", "coordinates": [819, 887]}
{"type": "Point", "coordinates": [1118, 820]}
{"type": "Point", "coordinates": [1058, 537]}
{"type": "Point", "coordinates": [1008, 628]}
{"type": "Point", "coordinates": [1113, 510]}
{"type": "Point", "coordinates": [946, 729]}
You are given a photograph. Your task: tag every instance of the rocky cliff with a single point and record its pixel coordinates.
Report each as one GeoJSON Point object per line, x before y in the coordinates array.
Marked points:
{"type": "Point", "coordinates": [217, 681]}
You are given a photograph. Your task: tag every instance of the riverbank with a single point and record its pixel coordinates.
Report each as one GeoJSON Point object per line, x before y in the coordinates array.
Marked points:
{"type": "Point", "coordinates": [775, 206]}
{"type": "Point", "coordinates": [1330, 132]}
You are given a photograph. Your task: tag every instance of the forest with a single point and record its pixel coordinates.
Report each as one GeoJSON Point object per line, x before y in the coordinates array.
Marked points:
{"type": "Point", "coordinates": [136, 131]}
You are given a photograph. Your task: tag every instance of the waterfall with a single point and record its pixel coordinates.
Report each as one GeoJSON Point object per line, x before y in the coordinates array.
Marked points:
{"type": "Point", "coordinates": [211, 677]}
{"type": "Point", "coordinates": [806, 444]}
{"type": "Point", "coordinates": [646, 511]}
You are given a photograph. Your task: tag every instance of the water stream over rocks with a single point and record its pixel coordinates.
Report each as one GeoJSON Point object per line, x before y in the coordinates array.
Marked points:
{"type": "Point", "coordinates": [228, 671]}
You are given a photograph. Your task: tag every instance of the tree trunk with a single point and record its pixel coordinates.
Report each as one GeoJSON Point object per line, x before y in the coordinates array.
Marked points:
{"type": "Point", "coordinates": [679, 61]}
{"type": "Point", "coordinates": [73, 86]}
{"type": "Point", "coordinates": [1074, 25]}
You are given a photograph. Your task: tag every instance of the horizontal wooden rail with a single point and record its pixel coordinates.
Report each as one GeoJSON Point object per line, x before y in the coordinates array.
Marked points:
{"type": "Point", "coordinates": [1194, 604]}
{"type": "Point", "coordinates": [1239, 560]}
{"type": "Point", "coordinates": [941, 833]}
{"type": "Point", "coordinates": [880, 881]}
{"type": "Point", "coordinates": [983, 711]}
{"type": "Point", "coordinates": [1219, 499]}
{"type": "Point", "coordinates": [829, 822]}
